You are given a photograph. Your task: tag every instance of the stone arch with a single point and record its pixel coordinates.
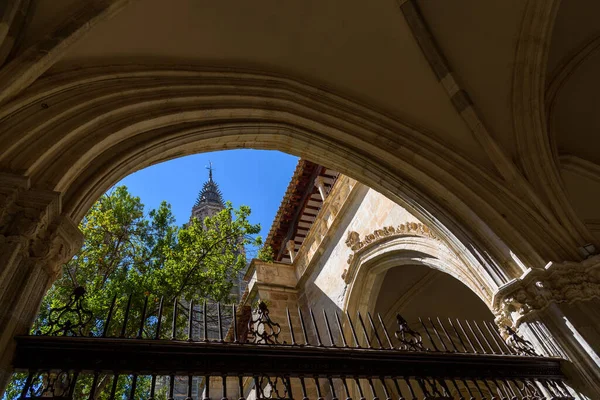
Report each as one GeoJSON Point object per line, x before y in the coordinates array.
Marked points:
{"type": "Point", "coordinates": [73, 134]}
{"type": "Point", "coordinates": [530, 116]}
{"type": "Point", "coordinates": [370, 263]}
{"type": "Point", "coordinates": [79, 132]}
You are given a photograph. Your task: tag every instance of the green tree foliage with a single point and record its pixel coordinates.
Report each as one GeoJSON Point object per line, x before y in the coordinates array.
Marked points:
{"type": "Point", "coordinates": [126, 253]}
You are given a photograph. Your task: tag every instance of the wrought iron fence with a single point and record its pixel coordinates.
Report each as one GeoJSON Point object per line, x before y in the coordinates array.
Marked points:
{"type": "Point", "coordinates": [67, 385]}
{"type": "Point", "coordinates": [170, 348]}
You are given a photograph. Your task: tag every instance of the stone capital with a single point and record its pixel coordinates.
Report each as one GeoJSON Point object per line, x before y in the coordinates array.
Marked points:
{"type": "Point", "coordinates": [31, 227]}
{"type": "Point", "coordinates": [56, 245]}
{"type": "Point", "coordinates": [25, 215]}
{"type": "Point", "coordinates": [536, 289]}
{"type": "Point", "coordinates": [26, 212]}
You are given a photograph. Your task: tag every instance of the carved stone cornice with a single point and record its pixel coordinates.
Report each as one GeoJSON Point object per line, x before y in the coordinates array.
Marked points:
{"type": "Point", "coordinates": [538, 288]}
{"type": "Point", "coordinates": [410, 228]}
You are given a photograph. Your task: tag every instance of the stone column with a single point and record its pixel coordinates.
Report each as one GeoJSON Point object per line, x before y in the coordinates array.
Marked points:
{"type": "Point", "coordinates": [35, 240]}
{"type": "Point", "coordinates": [320, 184]}
{"type": "Point", "coordinates": [558, 310]}
{"type": "Point", "coordinates": [291, 248]}
{"type": "Point", "coordinates": [553, 333]}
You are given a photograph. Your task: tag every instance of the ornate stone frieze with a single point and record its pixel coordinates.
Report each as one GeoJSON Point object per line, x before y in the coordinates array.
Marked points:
{"type": "Point", "coordinates": [538, 288]}
{"type": "Point", "coordinates": [410, 228]}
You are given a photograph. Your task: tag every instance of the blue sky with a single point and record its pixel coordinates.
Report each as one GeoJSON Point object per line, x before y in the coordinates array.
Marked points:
{"type": "Point", "coordinates": [256, 178]}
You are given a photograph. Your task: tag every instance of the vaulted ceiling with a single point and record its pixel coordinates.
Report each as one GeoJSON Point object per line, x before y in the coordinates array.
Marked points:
{"type": "Point", "coordinates": [365, 51]}
{"type": "Point", "coordinates": [573, 103]}
{"type": "Point", "coordinates": [451, 69]}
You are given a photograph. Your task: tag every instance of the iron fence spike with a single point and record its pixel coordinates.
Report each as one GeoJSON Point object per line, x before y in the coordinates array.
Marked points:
{"type": "Point", "coordinates": [314, 322]}
{"type": "Point", "coordinates": [191, 321]}
{"type": "Point", "coordinates": [303, 326]}
{"type": "Point", "coordinates": [126, 317]}
{"type": "Point", "coordinates": [374, 330]}
{"type": "Point", "coordinates": [448, 337]}
{"type": "Point", "coordinates": [437, 334]}
{"type": "Point", "coordinates": [428, 335]}
{"type": "Point", "coordinates": [328, 329]}
{"type": "Point", "coordinates": [364, 329]}
{"type": "Point", "coordinates": [159, 319]}
{"type": "Point", "coordinates": [339, 324]}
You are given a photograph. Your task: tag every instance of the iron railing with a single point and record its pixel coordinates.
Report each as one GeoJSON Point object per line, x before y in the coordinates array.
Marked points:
{"type": "Point", "coordinates": [170, 349]}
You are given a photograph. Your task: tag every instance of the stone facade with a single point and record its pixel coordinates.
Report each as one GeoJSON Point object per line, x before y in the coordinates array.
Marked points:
{"type": "Point", "coordinates": [366, 253]}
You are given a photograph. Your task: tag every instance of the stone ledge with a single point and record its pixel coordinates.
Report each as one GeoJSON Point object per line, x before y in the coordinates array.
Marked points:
{"type": "Point", "coordinates": [278, 276]}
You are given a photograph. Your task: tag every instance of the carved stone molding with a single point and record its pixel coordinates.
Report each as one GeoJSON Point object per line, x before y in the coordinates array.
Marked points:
{"type": "Point", "coordinates": [538, 288]}
{"type": "Point", "coordinates": [410, 228]}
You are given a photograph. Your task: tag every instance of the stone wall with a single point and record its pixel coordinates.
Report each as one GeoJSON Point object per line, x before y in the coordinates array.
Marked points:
{"type": "Point", "coordinates": [367, 212]}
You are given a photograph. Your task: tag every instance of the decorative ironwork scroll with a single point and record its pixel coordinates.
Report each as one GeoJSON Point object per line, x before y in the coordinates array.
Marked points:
{"type": "Point", "coordinates": [264, 330]}
{"type": "Point", "coordinates": [431, 388]}
{"type": "Point", "coordinates": [269, 387]}
{"type": "Point", "coordinates": [530, 389]}
{"type": "Point", "coordinates": [410, 339]}
{"type": "Point", "coordinates": [520, 345]}
{"type": "Point", "coordinates": [52, 384]}
{"type": "Point", "coordinates": [70, 319]}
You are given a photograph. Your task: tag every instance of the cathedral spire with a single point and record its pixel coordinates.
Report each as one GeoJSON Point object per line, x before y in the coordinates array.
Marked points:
{"type": "Point", "coordinates": [210, 193]}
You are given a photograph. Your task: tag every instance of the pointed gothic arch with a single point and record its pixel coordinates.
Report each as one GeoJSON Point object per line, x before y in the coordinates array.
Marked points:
{"type": "Point", "coordinates": [86, 129]}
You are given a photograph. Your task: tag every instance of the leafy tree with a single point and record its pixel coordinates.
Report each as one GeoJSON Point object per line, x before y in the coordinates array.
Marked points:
{"type": "Point", "coordinates": [128, 257]}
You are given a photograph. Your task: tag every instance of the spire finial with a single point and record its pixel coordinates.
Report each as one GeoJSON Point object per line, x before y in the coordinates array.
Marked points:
{"type": "Point", "coordinates": [210, 170]}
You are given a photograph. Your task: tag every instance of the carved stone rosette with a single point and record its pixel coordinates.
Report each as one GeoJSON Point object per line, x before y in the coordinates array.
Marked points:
{"type": "Point", "coordinates": [538, 288]}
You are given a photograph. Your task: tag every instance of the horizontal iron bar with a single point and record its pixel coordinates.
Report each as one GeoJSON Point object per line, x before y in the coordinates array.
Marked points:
{"type": "Point", "coordinates": [177, 357]}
